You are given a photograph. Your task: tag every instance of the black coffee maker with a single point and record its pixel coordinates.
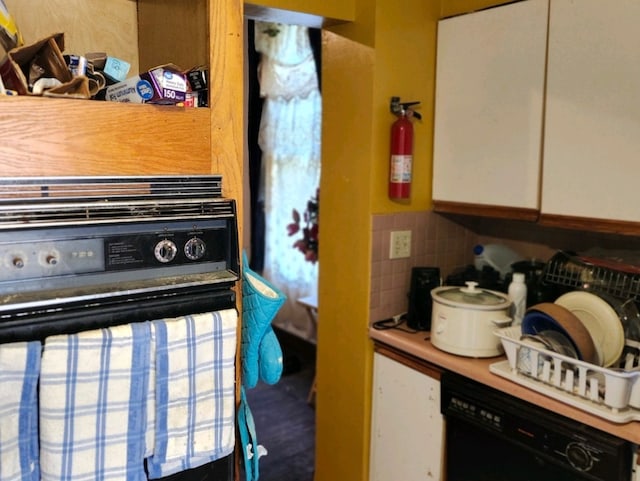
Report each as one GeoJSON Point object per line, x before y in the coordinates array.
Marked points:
{"type": "Point", "coordinates": [423, 280]}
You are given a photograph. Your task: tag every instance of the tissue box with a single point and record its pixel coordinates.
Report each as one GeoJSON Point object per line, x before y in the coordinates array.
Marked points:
{"type": "Point", "coordinates": [116, 69]}
{"type": "Point", "coordinates": [165, 84]}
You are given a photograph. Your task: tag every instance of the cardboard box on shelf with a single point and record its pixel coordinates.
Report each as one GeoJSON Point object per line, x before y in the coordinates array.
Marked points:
{"type": "Point", "coordinates": [116, 69]}
{"type": "Point", "coordinates": [165, 84]}
{"type": "Point", "coordinates": [45, 53]}
{"type": "Point", "coordinates": [24, 67]}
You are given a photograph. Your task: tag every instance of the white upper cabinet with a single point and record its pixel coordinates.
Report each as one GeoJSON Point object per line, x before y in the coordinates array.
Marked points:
{"type": "Point", "coordinates": [591, 164]}
{"type": "Point", "coordinates": [490, 81]}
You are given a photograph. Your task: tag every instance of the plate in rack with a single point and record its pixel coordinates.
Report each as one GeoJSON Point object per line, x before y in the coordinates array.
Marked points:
{"type": "Point", "coordinates": [601, 321]}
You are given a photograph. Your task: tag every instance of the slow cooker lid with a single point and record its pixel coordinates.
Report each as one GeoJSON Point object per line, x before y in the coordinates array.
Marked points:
{"type": "Point", "coordinates": [471, 295]}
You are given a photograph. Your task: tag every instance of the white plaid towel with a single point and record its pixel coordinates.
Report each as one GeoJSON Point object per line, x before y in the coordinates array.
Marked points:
{"type": "Point", "coordinates": [19, 370]}
{"type": "Point", "coordinates": [93, 392]}
{"type": "Point", "coordinates": [150, 433]}
{"type": "Point", "coordinates": [195, 402]}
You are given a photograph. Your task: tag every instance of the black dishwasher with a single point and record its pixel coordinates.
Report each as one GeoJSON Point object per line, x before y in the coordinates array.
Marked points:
{"type": "Point", "coordinates": [492, 436]}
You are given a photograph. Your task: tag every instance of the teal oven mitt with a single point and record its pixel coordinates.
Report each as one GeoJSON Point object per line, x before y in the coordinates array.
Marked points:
{"type": "Point", "coordinates": [248, 439]}
{"type": "Point", "coordinates": [270, 358]}
{"type": "Point", "coordinates": [261, 301]}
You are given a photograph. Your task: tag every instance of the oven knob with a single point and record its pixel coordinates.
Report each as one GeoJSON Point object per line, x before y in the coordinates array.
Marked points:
{"type": "Point", "coordinates": [579, 456]}
{"type": "Point", "coordinates": [49, 258]}
{"type": "Point", "coordinates": [165, 251]}
{"type": "Point", "coordinates": [194, 249]}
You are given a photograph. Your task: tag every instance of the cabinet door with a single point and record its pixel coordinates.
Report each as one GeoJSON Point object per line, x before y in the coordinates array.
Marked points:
{"type": "Point", "coordinates": [406, 427]}
{"type": "Point", "coordinates": [592, 142]}
{"type": "Point", "coordinates": [489, 103]}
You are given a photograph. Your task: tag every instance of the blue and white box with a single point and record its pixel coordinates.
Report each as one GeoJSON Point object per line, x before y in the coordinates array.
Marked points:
{"type": "Point", "coordinates": [165, 84]}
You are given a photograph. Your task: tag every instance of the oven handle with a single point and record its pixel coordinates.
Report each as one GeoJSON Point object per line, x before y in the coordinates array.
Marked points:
{"type": "Point", "coordinates": [76, 318]}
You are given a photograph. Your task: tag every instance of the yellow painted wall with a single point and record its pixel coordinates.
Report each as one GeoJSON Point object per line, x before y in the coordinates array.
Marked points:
{"type": "Point", "coordinates": [405, 59]}
{"type": "Point", "coordinates": [396, 43]}
{"type": "Point", "coordinates": [456, 7]}
{"type": "Point", "coordinates": [343, 356]}
{"type": "Point", "coordinates": [363, 30]}
{"type": "Point", "coordinates": [336, 10]}
{"type": "Point", "coordinates": [389, 49]}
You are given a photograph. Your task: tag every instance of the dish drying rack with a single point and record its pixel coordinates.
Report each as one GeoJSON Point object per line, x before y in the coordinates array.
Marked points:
{"type": "Point", "coordinates": [612, 393]}
{"type": "Point", "coordinates": [567, 272]}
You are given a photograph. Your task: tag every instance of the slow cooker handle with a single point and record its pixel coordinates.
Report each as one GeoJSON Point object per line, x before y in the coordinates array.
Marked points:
{"type": "Point", "coordinates": [502, 322]}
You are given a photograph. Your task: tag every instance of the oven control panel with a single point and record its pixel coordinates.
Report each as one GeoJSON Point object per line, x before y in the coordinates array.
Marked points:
{"type": "Point", "coordinates": [163, 249]}
{"type": "Point", "coordinates": [26, 260]}
{"type": "Point", "coordinates": [57, 258]}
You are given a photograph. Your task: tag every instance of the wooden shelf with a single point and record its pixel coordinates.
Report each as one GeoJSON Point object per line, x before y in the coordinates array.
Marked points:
{"type": "Point", "coordinates": [59, 137]}
{"type": "Point", "coordinates": [45, 136]}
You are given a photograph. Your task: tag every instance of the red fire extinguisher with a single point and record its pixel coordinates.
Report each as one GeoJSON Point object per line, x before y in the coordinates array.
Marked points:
{"type": "Point", "coordinates": [401, 149]}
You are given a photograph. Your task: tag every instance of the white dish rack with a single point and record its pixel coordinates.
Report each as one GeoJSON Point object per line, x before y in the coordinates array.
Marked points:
{"type": "Point", "coordinates": [611, 393]}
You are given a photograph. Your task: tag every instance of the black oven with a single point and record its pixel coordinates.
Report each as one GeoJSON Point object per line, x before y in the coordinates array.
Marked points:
{"type": "Point", "coordinates": [492, 436]}
{"type": "Point", "coordinates": [86, 253]}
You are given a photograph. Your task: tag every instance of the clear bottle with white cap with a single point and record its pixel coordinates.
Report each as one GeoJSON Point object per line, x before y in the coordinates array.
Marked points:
{"type": "Point", "coordinates": [517, 292]}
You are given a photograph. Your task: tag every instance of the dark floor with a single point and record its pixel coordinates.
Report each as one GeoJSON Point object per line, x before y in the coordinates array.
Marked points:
{"type": "Point", "coordinates": [285, 422]}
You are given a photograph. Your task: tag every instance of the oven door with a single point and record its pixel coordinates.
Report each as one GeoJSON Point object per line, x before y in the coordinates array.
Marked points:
{"type": "Point", "coordinates": [220, 470]}
{"type": "Point", "coordinates": [491, 436]}
{"type": "Point", "coordinates": [77, 316]}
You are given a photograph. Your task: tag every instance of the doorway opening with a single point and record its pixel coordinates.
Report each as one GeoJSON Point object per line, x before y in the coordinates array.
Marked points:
{"type": "Point", "coordinates": [283, 138]}
{"type": "Point", "coordinates": [284, 129]}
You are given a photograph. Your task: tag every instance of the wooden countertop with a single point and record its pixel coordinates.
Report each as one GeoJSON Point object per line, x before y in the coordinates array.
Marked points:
{"type": "Point", "coordinates": [418, 346]}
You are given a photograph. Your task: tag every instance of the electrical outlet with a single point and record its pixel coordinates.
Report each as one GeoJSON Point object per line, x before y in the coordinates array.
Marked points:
{"type": "Point", "coordinates": [400, 245]}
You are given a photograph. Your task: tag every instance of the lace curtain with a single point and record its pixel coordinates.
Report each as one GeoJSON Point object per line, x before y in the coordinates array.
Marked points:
{"type": "Point", "coordinates": [290, 141]}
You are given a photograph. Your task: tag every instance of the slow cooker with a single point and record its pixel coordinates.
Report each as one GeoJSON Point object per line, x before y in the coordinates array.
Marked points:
{"type": "Point", "coordinates": [464, 320]}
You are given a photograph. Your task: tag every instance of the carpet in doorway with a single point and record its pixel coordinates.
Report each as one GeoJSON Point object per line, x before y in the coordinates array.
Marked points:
{"type": "Point", "coordinates": [285, 423]}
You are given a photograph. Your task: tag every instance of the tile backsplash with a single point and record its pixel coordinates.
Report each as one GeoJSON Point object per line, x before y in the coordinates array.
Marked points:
{"type": "Point", "coordinates": [435, 242]}
{"type": "Point", "coordinates": [447, 242]}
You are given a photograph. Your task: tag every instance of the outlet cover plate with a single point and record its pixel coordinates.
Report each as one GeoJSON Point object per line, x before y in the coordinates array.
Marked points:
{"type": "Point", "coordinates": [400, 245]}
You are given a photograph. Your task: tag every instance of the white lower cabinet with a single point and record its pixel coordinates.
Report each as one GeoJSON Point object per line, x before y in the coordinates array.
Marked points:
{"type": "Point", "coordinates": [407, 429]}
